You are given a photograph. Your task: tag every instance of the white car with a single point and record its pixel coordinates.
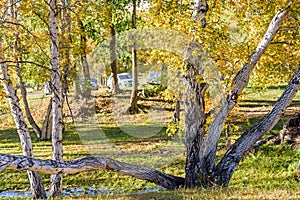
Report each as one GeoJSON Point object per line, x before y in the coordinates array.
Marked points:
{"type": "Point", "coordinates": [124, 80]}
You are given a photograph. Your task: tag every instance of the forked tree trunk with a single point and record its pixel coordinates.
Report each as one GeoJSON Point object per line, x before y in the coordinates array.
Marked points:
{"type": "Point", "coordinates": [229, 162]}
{"type": "Point", "coordinates": [57, 150]}
{"type": "Point", "coordinates": [36, 185]}
{"type": "Point", "coordinates": [134, 98]}
{"type": "Point", "coordinates": [239, 83]}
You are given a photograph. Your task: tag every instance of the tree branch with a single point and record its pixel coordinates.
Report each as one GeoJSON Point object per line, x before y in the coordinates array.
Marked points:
{"type": "Point", "coordinates": [239, 83]}
{"type": "Point", "coordinates": [89, 163]}
{"type": "Point", "coordinates": [26, 62]}
{"type": "Point", "coordinates": [232, 157]}
{"type": "Point", "coordinates": [27, 30]}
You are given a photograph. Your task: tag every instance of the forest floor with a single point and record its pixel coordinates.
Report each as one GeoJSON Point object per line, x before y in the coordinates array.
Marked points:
{"type": "Point", "coordinates": [266, 172]}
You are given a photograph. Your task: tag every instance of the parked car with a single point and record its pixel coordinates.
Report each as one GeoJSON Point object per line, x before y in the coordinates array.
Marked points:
{"type": "Point", "coordinates": [124, 80]}
{"type": "Point", "coordinates": [154, 77]}
{"type": "Point", "coordinates": [93, 83]}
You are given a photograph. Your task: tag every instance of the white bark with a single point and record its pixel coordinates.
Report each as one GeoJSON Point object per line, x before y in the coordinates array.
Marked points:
{"type": "Point", "coordinates": [22, 130]}
{"type": "Point", "coordinates": [89, 163]}
{"type": "Point", "coordinates": [57, 150]}
{"type": "Point", "coordinates": [239, 83]}
{"type": "Point", "coordinates": [200, 9]}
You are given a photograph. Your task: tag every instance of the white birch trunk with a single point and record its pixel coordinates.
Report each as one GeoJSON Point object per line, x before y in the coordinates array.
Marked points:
{"type": "Point", "coordinates": [57, 150]}
{"type": "Point", "coordinates": [36, 185]}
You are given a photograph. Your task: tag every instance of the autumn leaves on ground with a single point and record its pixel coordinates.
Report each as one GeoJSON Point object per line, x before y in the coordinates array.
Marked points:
{"type": "Point", "coordinates": [268, 171]}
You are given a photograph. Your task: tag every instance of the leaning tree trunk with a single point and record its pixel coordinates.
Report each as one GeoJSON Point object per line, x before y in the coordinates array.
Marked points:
{"type": "Point", "coordinates": [57, 151]}
{"type": "Point", "coordinates": [229, 162]}
{"type": "Point", "coordinates": [32, 122]}
{"type": "Point", "coordinates": [36, 185]}
{"type": "Point", "coordinates": [239, 83]}
{"type": "Point", "coordinates": [134, 98]}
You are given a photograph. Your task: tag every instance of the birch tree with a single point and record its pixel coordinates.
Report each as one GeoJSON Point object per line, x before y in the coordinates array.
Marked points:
{"type": "Point", "coordinates": [201, 167]}
{"type": "Point", "coordinates": [36, 185]}
{"type": "Point", "coordinates": [57, 150]}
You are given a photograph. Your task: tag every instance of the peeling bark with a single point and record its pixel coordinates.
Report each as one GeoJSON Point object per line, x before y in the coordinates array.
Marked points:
{"type": "Point", "coordinates": [232, 157]}
{"type": "Point", "coordinates": [90, 163]}
{"type": "Point", "coordinates": [194, 110]}
{"type": "Point", "coordinates": [57, 150]}
{"type": "Point", "coordinates": [239, 83]}
{"type": "Point", "coordinates": [200, 10]}
{"type": "Point", "coordinates": [36, 185]}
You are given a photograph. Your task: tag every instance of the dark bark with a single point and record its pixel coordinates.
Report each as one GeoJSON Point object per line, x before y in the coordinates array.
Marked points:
{"type": "Point", "coordinates": [232, 157]}
{"type": "Point", "coordinates": [194, 110]}
{"type": "Point", "coordinates": [86, 87]}
{"type": "Point", "coordinates": [134, 97]}
{"type": "Point", "coordinates": [176, 117]}
{"type": "Point", "coordinates": [90, 163]}
{"type": "Point", "coordinates": [65, 54]}
{"type": "Point", "coordinates": [113, 60]}
{"type": "Point", "coordinates": [47, 124]}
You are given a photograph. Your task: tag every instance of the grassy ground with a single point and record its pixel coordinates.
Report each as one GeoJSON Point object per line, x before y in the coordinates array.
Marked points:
{"type": "Point", "coordinates": [267, 172]}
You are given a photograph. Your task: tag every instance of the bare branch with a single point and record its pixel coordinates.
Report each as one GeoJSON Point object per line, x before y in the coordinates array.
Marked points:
{"type": "Point", "coordinates": [288, 29]}
{"type": "Point", "coordinates": [27, 30]}
{"type": "Point", "coordinates": [89, 163]}
{"type": "Point", "coordinates": [26, 62]}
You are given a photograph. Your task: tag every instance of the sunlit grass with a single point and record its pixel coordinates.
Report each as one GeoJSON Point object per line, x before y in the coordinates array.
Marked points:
{"type": "Point", "coordinates": [267, 172]}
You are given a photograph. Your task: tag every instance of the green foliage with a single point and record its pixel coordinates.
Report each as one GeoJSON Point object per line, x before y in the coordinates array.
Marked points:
{"type": "Point", "coordinates": [151, 90]}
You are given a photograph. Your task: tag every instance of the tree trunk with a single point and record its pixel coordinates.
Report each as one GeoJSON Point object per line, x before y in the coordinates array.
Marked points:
{"type": "Point", "coordinates": [18, 51]}
{"type": "Point", "coordinates": [56, 180]}
{"type": "Point", "coordinates": [176, 116]}
{"type": "Point", "coordinates": [232, 157]}
{"type": "Point", "coordinates": [36, 185]}
{"type": "Point", "coordinates": [200, 10]}
{"type": "Point", "coordinates": [134, 98]}
{"type": "Point", "coordinates": [86, 87]}
{"type": "Point", "coordinates": [113, 60]}
{"type": "Point", "coordinates": [65, 54]}
{"type": "Point", "coordinates": [47, 124]}
{"type": "Point", "coordinates": [90, 163]}
{"type": "Point", "coordinates": [239, 83]}
{"type": "Point", "coordinates": [194, 110]}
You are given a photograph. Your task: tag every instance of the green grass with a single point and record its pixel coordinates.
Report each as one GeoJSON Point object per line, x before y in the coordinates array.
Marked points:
{"type": "Point", "coordinates": [267, 172]}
